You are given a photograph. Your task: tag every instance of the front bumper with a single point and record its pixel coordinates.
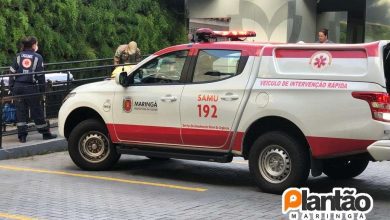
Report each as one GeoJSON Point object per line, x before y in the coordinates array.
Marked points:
{"type": "Point", "coordinates": [380, 150]}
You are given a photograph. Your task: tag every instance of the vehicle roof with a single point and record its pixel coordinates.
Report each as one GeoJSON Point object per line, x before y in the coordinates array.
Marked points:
{"type": "Point", "coordinates": [255, 48]}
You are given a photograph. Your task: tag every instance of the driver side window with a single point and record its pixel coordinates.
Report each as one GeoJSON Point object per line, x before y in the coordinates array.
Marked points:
{"type": "Point", "coordinates": [165, 69]}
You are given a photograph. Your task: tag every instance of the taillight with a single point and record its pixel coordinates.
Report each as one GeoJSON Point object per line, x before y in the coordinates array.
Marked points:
{"type": "Point", "coordinates": [379, 104]}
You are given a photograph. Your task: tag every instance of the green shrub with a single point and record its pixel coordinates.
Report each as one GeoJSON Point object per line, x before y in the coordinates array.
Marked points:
{"type": "Point", "coordinates": [87, 29]}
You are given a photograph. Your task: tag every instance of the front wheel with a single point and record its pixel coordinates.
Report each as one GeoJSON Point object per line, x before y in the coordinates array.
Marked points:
{"type": "Point", "coordinates": [90, 147]}
{"type": "Point", "coordinates": [277, 161]}
{"type": "Point", "coordinates": [340, 168]}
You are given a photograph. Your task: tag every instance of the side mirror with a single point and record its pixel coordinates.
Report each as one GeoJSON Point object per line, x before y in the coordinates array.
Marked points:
{"type": "Point", "coordinates": [124, 80]}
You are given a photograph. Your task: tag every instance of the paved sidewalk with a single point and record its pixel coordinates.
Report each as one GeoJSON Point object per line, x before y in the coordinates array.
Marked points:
{"type": "Point", "coordinates": [11, 148]}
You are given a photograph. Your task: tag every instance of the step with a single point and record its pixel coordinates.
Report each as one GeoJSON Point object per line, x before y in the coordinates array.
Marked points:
{"type": "Point", "coordinates": [223, 157]}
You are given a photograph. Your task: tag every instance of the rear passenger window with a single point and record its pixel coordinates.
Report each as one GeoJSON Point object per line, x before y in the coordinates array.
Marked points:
{"type": "Point", "coordinates": [213, 65]}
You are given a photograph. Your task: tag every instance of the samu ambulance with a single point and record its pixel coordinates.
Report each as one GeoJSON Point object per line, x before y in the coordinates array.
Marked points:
{"type": "Point", "coordinates": [287, 108]}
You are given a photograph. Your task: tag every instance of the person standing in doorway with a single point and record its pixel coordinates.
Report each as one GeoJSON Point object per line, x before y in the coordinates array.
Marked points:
{"type": "Point", "coordinates": [26, 62]}
{"type": "Point", "coordinates": [323, 37]}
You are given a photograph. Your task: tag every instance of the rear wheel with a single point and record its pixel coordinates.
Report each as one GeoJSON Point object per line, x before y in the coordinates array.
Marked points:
{"type": "Point", "coordinates": [90, 147]}
{"type": "Point", "coordinates": [277, 161]}
{"type": "Point", "coordinates": [340, 168]}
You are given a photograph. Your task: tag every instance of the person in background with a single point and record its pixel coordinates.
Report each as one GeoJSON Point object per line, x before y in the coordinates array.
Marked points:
{"type": "Point", "coordinates": [26, 62]}
{"type": "Point", "coordinates": [127, 53]}
{"type": "Point", "coordinates": [323, 37]}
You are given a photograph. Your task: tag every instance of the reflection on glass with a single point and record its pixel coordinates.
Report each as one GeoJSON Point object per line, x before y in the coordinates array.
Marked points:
{"type": "Point", "coordinates": [377, 20]}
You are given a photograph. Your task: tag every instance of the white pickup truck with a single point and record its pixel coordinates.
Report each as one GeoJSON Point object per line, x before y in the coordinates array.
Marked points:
{"type": "Point", "coordinates": [287, 108]}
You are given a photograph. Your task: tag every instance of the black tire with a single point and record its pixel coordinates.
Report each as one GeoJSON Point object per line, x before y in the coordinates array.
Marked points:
{"type": "Point", "coordinates": [281, 155]}
{"type": "Point", "coordinates": [90, 146]}
{"type": "Point", "coordinates": [340, 168]}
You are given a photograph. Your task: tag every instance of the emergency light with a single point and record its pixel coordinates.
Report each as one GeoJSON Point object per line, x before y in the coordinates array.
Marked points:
{"type": "Point", "coordinates": [205, 34]}
{"type": "Point", "coordinates": [234, 34]}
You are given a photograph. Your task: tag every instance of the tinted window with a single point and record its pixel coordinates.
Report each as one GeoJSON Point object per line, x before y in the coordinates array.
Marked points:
{"type": "Point", "coordinates": [213, 65]}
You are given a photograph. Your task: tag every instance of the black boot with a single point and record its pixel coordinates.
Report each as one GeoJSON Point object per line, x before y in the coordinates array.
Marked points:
{"type": "Point", "coordinates": [45, 131]}
{"type": "Point", "coordinates": [22, 139]}
{"type": "Point", "coordinates": [22, 133]}
{"type": "Point", "coordinates": [48, 135]}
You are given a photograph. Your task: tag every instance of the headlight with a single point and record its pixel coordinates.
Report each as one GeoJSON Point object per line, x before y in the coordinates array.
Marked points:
{"type": "Point", "coordinates": [71, 94]}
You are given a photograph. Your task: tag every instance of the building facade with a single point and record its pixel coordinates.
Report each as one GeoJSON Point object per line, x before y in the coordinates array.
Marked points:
{"type": "Point", "coordinates": [348, 21]}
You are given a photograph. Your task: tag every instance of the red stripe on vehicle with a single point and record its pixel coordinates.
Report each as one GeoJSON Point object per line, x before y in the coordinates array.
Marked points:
{"type": "Point", "coordinates": [337, 51]}
{"type": "Point", "coordinates": [174, 48]}
{"type": "Point", "coordinates": [268, 51]}
{"type": "Point", "coordinates": [247, 49]}
{"type": "Point", "coordinates": [238, 141]}
{"type": "Point", "coordinates": [111, 131]}
{"type": "Point", "coordinates": [254, 49]}
{"type": "Point", "coordinates": [141, 133]}
{"type": "Point", "coordinates": [282, 53]}
{"type": "Point", "coordinates": [372, 49]}
{"type": "Point", "coordinates": [211, 138]}
{"type": "Point", "coordinates": [169, 135]}
{"type": "Point", "coordinates": [324, 146]}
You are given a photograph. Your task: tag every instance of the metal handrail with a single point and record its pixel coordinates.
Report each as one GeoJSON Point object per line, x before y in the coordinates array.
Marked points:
{"type": "Point", "coordinates": [68, 70]}
{"type": "Point", "coordinates": [78, 61]}
{"type": "Point", "coordinates": [2, 68]}
{"type": "Point", "coordinates": [67, 62]}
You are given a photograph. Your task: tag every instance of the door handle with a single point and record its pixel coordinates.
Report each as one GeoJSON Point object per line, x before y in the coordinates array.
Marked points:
{"type": "Point", "coordinates": [229, 97]}
{"type": "Point", "coordinates": [168, 98]}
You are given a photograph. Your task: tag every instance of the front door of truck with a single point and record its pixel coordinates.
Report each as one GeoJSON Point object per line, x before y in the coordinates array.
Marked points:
{"type": "Point", "coordinates": [148, 110]}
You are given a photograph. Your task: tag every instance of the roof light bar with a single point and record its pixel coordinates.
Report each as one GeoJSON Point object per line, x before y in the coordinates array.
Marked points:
{"type": "Point", "coordinates": [204, 34]}
{"type": "Point", "coordinates": [234, 34]}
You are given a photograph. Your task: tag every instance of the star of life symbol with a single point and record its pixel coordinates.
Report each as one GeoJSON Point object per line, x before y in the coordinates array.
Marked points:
{"type": "Point", "coordinates": [26, 63]}
{"type": "Point", "coordinates": [321, 60]}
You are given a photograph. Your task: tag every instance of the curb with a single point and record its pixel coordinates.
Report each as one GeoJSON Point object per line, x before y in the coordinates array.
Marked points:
{"type": "Point", "coordinates": [36, 149]}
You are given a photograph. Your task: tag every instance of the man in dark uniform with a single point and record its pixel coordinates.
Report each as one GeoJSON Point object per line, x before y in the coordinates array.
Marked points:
{"type": "Point", "coordinates": [26, 62]}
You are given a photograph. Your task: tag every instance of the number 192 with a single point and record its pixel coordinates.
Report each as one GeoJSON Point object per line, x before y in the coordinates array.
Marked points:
{"type": "Point", "coordinates": [207, 110]}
